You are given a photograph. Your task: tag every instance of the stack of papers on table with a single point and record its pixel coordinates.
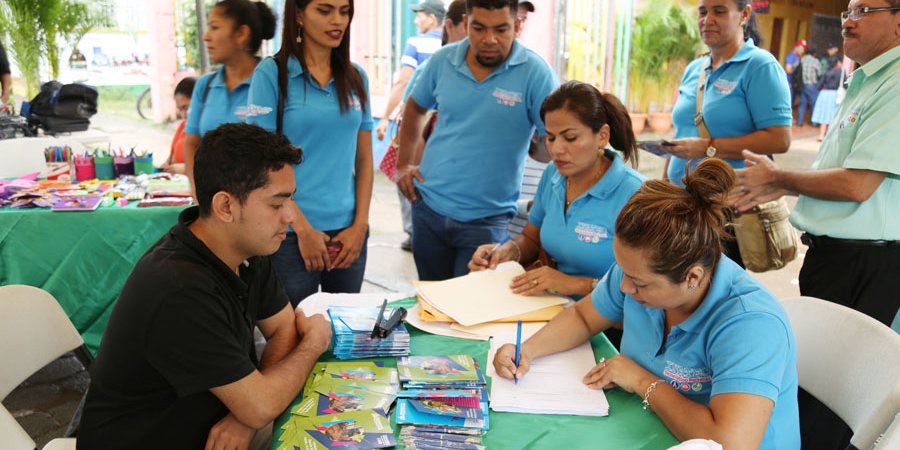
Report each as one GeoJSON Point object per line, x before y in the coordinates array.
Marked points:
{"type": "Point", "coordinates": [352, 333]}
{"type": "Point", "coordinates": [551, 386]}
{"type": "Point", "coordinates": [481, 304]}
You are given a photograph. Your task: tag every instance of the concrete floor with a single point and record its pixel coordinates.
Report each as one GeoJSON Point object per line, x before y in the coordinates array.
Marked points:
{"type": "Point", "coordinates": [44, 403]}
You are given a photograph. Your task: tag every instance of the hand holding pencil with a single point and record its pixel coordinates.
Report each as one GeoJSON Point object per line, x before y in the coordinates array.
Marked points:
{"type": "Point", "coordinates": [488, 256]}
{"type": "Point", "coordinates": [505, 362]}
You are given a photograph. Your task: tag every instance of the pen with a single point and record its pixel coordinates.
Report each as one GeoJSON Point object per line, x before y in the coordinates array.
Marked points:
{"type": "Point", "coordinates": [494, 249]}
{"type": "Point", "coordinates": [518, 349]}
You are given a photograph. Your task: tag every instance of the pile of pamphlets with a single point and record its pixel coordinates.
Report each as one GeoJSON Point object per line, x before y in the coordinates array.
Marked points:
{"type": "Point", "coordinates": [443, 403]}
{"type": "Point", "coordinates": [345, 405]}
{"type": "Point", "coordinates": [352, 333]}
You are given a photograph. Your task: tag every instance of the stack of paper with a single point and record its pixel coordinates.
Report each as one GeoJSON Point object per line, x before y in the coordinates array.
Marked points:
{"type": "Point", "coordinates": [352, 333]}
{"type": "Point", "coordinates": [443, 403]}
{"type": "Point", "coordinates": [551, 386]}
{"type": "Point", "coordinates": [481, 304]}
{"type": "Point", "coordinates": [344, 405]}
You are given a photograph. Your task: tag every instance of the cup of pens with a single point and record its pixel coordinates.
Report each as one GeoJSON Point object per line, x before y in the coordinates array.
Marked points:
{"type": "Point", "coordinates": [143, 164]}
{"type": "Point", "coordinates": [59, 159]}
{"type": "Point", "coordinates": [84, 167]}
{"type": "Point", "coordinates": [123, 165]}
{"type": "Point", "coordinates": [103, 166]}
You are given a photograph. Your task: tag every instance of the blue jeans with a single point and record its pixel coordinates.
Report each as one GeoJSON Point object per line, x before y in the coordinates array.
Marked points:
{"type": "Point", "coordinates": [807, 97]}
{"type": "Point", "coordinates": [299, 283]}
{"type": "Point", "coordinates": [442, 247]}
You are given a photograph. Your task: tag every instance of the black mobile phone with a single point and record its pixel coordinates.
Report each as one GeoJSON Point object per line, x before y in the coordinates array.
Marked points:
{"type": "Point", "coordinates": [656, 147]}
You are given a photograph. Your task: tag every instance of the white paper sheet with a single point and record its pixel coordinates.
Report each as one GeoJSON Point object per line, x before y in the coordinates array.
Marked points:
{"type": "Point", "coordinates": [551, 386]}
{"type": "Point", "coordinates": [439, 328]}
{"type": "Point", "coordinates": [484, 296]}
{"type": "Point", "coordinates": [319, 302]}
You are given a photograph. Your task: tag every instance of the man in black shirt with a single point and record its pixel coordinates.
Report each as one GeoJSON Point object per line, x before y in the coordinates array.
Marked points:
{"type": "Point", "coordinates": [177, 367]}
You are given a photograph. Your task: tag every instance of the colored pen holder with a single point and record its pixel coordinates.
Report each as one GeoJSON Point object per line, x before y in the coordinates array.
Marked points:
{"type": "Point", "coordinates": [59, 171]}
{"type": "Point", "coordinates": [84, 169]}
{"type": "Point", "coordinates": [103, 167]}
{"type": "Point", "coordinates": [143, 164]}
{"type": "Point", "coordinates": [123, 165]}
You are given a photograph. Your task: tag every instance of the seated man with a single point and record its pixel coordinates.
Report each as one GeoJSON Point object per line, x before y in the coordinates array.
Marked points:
{"type": "Point", "coordinates": [177, 367]}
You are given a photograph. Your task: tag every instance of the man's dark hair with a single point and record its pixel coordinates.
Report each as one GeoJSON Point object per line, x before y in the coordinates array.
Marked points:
{"type": "Point", "coordinates": [185, 87]}
{"type": "Point", "coordinates": [236, 158]}
{"type": "Point", "coordinates": [513, 5]}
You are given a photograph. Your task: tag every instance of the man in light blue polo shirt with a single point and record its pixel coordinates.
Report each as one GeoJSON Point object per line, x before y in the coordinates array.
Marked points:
{"type": "Point", "coordinates": [487, 90]}
{"type": "Point", "coordinates": [718, 349]}
{"type": "Point", "coordinates": [848, 202]}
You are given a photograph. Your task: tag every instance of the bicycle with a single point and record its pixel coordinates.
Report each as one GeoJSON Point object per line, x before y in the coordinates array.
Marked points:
{"type": "Point", "coordinates": [144, 104]}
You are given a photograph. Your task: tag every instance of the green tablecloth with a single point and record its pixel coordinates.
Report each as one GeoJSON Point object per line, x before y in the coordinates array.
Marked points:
{"type": "Point", "coordinates": [628, 426]}
{"type": "Point", "coordinates": [82, 258]}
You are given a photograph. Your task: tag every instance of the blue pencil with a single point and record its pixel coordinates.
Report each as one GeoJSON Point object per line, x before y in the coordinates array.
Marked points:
{"type": "Point", "coordinates": [518, 349]}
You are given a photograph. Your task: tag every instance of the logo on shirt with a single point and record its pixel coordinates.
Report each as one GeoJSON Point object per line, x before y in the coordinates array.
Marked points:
{"type": "Point", "coordinates": [256, 110]}
{"type": "Point", "coordinates": [687, 379]}
{"type": "Point", "coordinates": [852, 118]}
{"type": "Point", "coordinates": [590, 233]}
{"type": "Point", "coordinates": [507, 98]}
{"type": "Point", "coordinates": [355, 104]}
{"type": "Point", "coordinates": [724, 87]}
{"type": "Point", "coordinates": [242, 111]}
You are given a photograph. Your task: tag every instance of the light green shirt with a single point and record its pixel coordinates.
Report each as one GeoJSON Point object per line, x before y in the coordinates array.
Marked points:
{"type": "Point", "coordinates": [865, 134]}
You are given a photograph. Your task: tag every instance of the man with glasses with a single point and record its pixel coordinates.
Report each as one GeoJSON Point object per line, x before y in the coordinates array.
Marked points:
{"type": "Point", "coordinates": [847, 204]}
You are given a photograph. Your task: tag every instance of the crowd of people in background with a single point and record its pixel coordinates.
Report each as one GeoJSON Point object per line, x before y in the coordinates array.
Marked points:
{"type": "Point", "coordinates": [279, 152]}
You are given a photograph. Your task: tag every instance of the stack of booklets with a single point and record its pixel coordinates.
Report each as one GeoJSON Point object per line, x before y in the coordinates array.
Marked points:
{"type": "Point", "coordinates": [443, 403]}
{"type": "Point", "coordinates": [345, 405]}
{"type": "Point", "coordinates": [352, 333]}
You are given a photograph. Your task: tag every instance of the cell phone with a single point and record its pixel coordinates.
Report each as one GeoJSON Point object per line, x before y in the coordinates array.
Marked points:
{"type": "Point", "coordinates": [656, 147]}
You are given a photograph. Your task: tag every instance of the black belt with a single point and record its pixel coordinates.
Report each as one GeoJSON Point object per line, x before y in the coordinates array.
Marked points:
{"type": "Point", "coordinates": [825, 241]}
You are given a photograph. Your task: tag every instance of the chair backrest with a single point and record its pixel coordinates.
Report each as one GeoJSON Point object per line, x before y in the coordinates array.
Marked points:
{"type": "Point", "coordinates": [34, 331]}
{"type": "Point", "coordinates": [850, 362]}
{"type": "Point", "coordinates": [12, 435]}
{"type": "Point", "coordinates": [891, 438]}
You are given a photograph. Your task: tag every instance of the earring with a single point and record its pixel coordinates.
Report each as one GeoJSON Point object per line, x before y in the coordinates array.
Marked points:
{"type": "Point", "coordinates": [299, 32]}
{"type": "Point", "coordinates": [299, 39]}
{"type": "Point", "coordinates": [692, 286]}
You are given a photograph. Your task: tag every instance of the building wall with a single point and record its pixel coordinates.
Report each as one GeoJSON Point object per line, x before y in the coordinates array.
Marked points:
{"type": "Point", "coordinates": [795, 18]}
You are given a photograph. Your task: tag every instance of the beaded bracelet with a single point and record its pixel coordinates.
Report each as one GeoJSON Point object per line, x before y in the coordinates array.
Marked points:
{"type": "Point", "coordinates": [646, 403]}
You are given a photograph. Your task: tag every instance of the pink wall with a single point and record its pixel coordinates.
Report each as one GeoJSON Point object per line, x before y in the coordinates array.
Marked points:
{"type": "Point", "coordinates": [539, 33]}
{"type": "Point", "coordinates": [163, 63]}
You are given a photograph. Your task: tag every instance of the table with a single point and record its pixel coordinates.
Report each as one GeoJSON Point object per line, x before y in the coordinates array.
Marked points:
{"type": "Point", "coordinates": [628, 426]}
{"type": "Point", "coordinates": [82, 258]}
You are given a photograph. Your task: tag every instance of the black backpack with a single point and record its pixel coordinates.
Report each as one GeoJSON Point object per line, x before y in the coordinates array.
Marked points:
{"type": "Point", "coordinates": [63, 107]}
{"type": "Point", "coordinates": [797, 78]}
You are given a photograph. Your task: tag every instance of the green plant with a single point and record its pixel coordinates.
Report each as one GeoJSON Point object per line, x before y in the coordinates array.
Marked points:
{"type": "Point", "coordinates": [664, 39]}
{"type": "Point", "coordinates": [21, 19]}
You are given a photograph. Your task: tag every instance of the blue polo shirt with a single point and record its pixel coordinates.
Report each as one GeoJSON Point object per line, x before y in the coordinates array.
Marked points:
{"type": "Point", "coordinates": [474, 160]}
{"type": "Point", "coordinates": [580, 239]}
{"type": "Point", "coordinates": [420, 48]}
{"type": "Point", "coordinates": [412, 80]}
{"type": "Point", "coordinates": [749, 92]}
{"type": "Point", "coordinates": [221, 105]}
{"type": "Point", "coordinates": [326, 184]}
{"type": "Point", "coordinates": [739, 340]}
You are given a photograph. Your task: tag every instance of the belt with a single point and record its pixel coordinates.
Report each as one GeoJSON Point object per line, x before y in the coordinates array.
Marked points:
{"type": "Point", "coordinates": [814, 241]}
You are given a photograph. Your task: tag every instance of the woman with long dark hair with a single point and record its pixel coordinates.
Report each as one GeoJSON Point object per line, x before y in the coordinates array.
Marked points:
{"type": "Point", "coordinates": [314, 95]}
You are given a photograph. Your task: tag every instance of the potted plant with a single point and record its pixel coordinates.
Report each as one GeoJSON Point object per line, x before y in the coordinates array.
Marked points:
{"type": "Point", "coordinates": [665, 38]}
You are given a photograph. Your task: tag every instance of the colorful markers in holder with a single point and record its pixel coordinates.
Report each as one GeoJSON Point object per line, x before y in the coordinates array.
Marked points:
{"type": "Point", "coordinates": [59, 160]}
{"type": "Point", "coordinates": [84, 167]}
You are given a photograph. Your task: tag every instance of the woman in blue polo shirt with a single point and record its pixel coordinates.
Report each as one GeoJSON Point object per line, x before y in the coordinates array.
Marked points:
{"type": "Point", "coordinates": [236, 29]}
{"type": "Point", "coordinates": [709, 349]}
{"type": "Point", "coordinates": [578, 197]}
{"type": "Point", "coordinates": [313, 94]}
{"type": "Point", "coordinates": [746, 100]}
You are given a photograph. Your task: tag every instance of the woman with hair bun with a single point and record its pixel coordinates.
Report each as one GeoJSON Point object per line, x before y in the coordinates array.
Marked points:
{"type": "Point", "coordinates": [589, 138]}
{"type": "Point", "coordinates": [236, 29]}
{"type": "Point", "coordinates": [708, 348]}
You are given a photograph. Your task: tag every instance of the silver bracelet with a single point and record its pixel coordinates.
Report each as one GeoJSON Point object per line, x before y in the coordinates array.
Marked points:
{"type": "Point", "coordinates": [646, 403]}
{"type": "Point", "coordinates": [518, 250]}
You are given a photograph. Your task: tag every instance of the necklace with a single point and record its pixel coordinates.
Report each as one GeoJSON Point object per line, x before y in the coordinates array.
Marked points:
{"type": "Point", "coordinates": [594, 180]}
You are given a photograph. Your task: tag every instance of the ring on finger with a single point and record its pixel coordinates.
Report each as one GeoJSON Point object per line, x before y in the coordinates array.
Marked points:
{"type": "Point", "coordinates": [534, 282]}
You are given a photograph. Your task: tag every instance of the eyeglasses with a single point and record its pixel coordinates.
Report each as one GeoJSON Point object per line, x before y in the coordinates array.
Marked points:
{"type": "Point", "coordinates": [859, 13]}
{"type": "Point", "coordinates": [522, 18]}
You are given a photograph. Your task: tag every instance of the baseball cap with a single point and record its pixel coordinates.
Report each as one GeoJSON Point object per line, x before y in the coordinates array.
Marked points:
{"type": "Point", "coordinates": [801, 43]}
{"type": "Point", "coordinates": [527, 5]}
{"type": "Point", "coordinates": [433, 7]}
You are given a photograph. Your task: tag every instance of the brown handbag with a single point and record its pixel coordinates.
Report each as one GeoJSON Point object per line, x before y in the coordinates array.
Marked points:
{"type": "Point", "coordinates": [765, 236]}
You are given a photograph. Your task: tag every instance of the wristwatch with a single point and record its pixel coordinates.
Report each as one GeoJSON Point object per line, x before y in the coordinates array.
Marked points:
{"type": "Point", "coordinates": [711, 148]}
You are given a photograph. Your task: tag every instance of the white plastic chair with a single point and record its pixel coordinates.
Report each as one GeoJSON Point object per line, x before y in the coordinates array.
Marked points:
{"type": "Point", "coordinates": [850, 362]}
{"type": "Point", "coordinates": [891, 438]}
{"type": "Point", "coordinates": [34, 331]}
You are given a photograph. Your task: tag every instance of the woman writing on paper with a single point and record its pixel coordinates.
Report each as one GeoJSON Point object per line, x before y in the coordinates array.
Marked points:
{"type": "Point", "coordinates": [236, 31]}
{"type": "Point", "coordinates": [327, 113]}
{"type": "Point", "coordinates": [578, 197]}
{"type": "Point", "coordinates": [746, 101]}
{"type": "Point", "coordinates": [707, 347]}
